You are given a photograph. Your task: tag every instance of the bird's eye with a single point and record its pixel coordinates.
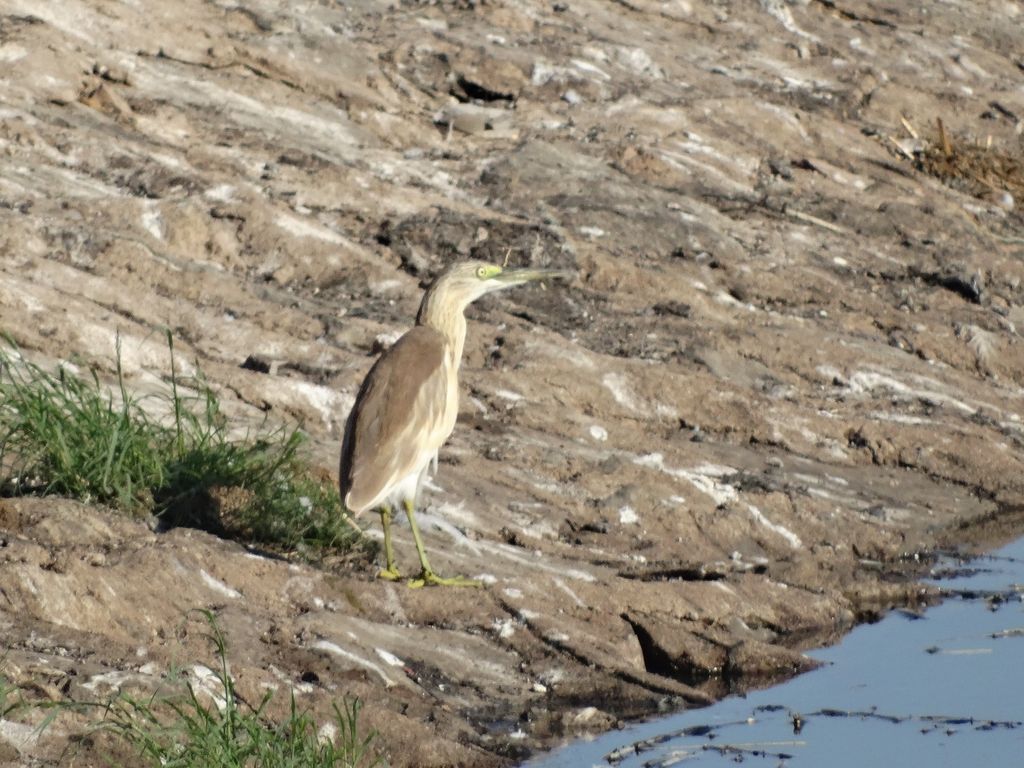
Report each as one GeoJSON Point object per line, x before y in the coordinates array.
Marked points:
{"type": "Point", "coordinates": [481, 272]}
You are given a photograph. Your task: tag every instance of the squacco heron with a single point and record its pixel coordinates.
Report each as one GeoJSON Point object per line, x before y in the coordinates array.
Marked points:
{"type": "Point", "coordinates": [408, 404]}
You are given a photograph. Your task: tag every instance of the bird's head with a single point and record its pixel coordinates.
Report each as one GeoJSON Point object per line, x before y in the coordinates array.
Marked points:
{"type": "Point", "coordinates": [466, 281]}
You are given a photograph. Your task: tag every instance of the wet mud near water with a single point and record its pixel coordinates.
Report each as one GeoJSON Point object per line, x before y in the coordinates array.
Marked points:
{"type": "Point", "coordinates": [940, 687]}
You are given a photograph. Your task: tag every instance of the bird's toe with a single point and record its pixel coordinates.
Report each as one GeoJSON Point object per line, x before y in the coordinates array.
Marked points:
{"type": "Point", "coordinates": [431, 579]}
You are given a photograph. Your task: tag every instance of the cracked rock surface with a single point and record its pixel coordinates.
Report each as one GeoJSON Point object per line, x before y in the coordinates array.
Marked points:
{"type": "Point", "coordinates": [789, 362]}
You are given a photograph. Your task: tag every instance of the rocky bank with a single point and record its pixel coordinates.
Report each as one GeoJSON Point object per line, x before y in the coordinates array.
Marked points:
{"type": "Point", "coordinates": [789, 366]}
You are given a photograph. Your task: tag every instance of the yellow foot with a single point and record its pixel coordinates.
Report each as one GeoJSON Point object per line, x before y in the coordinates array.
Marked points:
{"type": "Point", "coordinates": [431, 579]}
{"type": "Point", "coordinates": [389, 574]}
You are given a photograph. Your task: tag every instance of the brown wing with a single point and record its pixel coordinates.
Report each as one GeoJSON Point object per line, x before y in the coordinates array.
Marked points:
{"type": "Point", "coordinates": [393, 429]}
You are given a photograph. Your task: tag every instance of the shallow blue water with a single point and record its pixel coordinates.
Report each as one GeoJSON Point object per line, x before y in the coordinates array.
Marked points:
{"type": "Point", "coordinates": [946, 689]}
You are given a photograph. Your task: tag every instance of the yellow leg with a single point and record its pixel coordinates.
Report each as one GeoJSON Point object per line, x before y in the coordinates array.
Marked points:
{"type": "Point", "coordinates": [389, 571]}
{"type": "Point", "coordinates": [428, 577]}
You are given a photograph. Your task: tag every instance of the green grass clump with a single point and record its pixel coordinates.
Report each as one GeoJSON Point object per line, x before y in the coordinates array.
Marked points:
{"type": "Point", "coordinates": [180, 730]}
{"type": "Point", "coordinates": [10, 699]}
{"type": "Point", "coordinates": [63, 435]}
{"type": "Point", "coordinates": [67, 435]}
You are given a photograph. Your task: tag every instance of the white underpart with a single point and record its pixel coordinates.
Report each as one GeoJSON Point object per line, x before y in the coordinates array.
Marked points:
{"type": "Point", "coordinates": [409, 486]}
{"type": "Point", "coordinates": [395, 492]}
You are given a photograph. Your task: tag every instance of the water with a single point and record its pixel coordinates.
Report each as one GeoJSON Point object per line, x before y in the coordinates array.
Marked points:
{"type": "Point", "coordinates": [945, 689]}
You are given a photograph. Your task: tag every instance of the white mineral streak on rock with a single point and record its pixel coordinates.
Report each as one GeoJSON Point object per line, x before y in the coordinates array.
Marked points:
{"type": "Point", "coordinates": [209, 683]}
{"type": "Point", "coordinates": [108, 680]}
{"type": "Point", "coordinates": [389, 658]}
{"type": "Point", "coordinates": [19, 735]}
{"type": "Point", "coordinates": [305, 228]}
{"type": "Point", "coordinates": [218, 586]}
{"type": "Point", "coordinates": [503, 628]}
{"type": "Point", "coordinates": [864, 382]}
{"type": "Point", "coordinates": [152, 222]}
{"type": "Point", "coordinates": [426, 519]}
{"type": "Point", "coordinates": [336, 650]}
{"type": "Point", "coordinates": [788, 535]}
{"type": "Point", "coordinates": [621, 390]}
{"type": "Point", "coordinates": [565, 588]}
{"type": "Point", "coordinates": [704, 477]}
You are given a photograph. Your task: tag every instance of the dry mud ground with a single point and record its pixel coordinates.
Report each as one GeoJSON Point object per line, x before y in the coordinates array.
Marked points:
{"type": "Point", "coordinates": [790, 360]}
